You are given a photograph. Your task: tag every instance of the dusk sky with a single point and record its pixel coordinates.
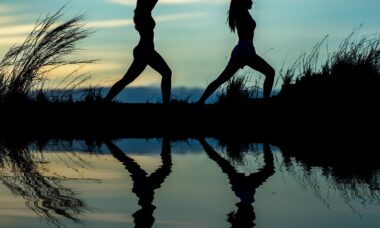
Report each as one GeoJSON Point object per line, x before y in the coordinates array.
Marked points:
{"type": "Point", "coordinates": [192, 35]}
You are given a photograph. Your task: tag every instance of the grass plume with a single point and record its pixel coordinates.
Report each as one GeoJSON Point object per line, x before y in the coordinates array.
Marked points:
{"type": "Point", "coordinates": [24, 67]}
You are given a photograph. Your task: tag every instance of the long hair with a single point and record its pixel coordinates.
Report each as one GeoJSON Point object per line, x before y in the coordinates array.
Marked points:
{"type": "Point", "coordinates": [233, 12]}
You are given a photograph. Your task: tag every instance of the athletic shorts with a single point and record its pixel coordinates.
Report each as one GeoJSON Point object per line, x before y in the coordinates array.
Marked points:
{"type": "Point", "coordinates": [243, 53]}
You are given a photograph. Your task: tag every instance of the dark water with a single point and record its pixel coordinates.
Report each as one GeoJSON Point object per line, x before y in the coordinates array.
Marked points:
{"type": "Point", "coordinates": [197, 183]}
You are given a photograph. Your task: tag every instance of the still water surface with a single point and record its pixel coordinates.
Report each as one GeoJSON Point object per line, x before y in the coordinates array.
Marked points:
{"type": "Point", "coordinates": [198, 183]}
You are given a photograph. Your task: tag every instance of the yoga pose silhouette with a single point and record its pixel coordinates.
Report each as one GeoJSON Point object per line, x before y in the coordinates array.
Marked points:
{"type": "Point", "coordinates": [144, 53]}
{"type": "Point", "coordinates": [244, 53]}
{"type": "Point", "coordinates": [243, 186]}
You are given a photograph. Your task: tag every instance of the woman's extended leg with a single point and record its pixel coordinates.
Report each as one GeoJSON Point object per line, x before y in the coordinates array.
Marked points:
{"type": "Point", "coordinates": [227, 73]}
{"type": "Point", "coordinates": [259, 64]}
{"type": "Point", "coordinates": [159, 64]}
{"type": "Point", "coordinates": [136, 68]}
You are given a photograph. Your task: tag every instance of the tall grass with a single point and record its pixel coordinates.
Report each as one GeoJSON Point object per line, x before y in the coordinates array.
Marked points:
{"type": "Point", "coordinates": [92, 94]}
{"type": "Point", "coordinates": [236, 91]}
{"type": "Point", "coordinates": [352, 70]}
{"type": "Point", "coordinates": [24, 67]}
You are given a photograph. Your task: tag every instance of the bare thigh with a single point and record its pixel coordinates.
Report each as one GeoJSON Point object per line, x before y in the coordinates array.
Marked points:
{"type": "Point", "coordinates": [230, 70]}
{"type": "Point", "coordinates": [259, 64]}
{"type": "Point", "coordinates": [137, 67]}
{"type": "Point", "coordinates": [158, 64]}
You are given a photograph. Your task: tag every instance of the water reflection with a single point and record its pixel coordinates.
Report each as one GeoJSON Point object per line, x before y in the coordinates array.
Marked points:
{"type": "Point", "coordinates": [351, 169]}
{"type": "Point", "coordinates": [335, 181]}
{"type": "Point", "coordinates": [44, 195]}
{"type": "Point", "coordinates": [144, 185]}
{"type": "Point", "coordinates": [243, 186]}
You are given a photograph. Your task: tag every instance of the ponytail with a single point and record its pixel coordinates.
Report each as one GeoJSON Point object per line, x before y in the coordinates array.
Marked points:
{"type": "Point", "coordinates": [232, 14]}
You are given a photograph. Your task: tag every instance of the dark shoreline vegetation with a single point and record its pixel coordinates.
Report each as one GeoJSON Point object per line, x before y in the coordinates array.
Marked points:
{"type": "Point", "coordinates": [338, 98]}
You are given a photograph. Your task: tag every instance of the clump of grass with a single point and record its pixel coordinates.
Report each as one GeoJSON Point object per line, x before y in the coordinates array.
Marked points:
{"type": "Point", "coordinates": [353, 70]}
{"type": "Point", "coordinates": [176, 99]}
{"type": "Point", "coordinates": [24, 67]}
{"type": "Point", "coordinates": [237, 92]}
{"type": "Point", "coordinates": [92, 94]}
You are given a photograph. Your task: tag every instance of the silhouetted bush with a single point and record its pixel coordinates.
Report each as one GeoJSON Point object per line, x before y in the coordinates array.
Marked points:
{"type": "Point", "coordinates": [352, 71]}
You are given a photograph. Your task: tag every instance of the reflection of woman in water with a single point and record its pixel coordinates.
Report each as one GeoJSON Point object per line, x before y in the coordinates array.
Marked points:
{"type": "Point", "coordinates": [243, 186]}
{"type": "Point", "coordinates": [144, 185]}
{"type": "Point", "coordinates": [144, 53]}
{"type": "Point", "coordinates": [244, 53]}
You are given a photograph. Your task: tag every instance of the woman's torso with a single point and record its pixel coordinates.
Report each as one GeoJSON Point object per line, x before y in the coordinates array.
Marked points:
{"type": "Point", "coordinates": [144, 23]}
{"type": "Point", "coordinates": [245, 26]}
{"type": "Point", "coordinates": [244, 51]}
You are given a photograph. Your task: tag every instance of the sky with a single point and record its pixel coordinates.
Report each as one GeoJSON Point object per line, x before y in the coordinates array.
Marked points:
{"type": "Point", "coordinates": [191, 35]}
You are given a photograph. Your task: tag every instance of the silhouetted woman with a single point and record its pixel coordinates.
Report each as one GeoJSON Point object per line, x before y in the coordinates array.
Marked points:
{"type": "Point", "coordinates": [244, 53]}
{"type": "Point", "coordinates": [144, 53]}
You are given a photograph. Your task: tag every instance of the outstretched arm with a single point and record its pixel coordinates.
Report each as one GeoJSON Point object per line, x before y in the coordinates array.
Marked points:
{"type": "Point", "coordinates": [146, 4]}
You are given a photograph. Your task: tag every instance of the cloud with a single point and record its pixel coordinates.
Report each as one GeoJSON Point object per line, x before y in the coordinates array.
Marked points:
{"type": "Point", "coordinates": [5, 9]}
{"type": "Point", "coordinates": [16, 29]}
{"type": "Point", "coordinates": [170, 2]}
{"type": "Point", "coordinates": [179, 16]}
{"type": "Point", "coordinates": [164, 2]}
{"type": "Point", "coordinates": [7, 19]}
{"type": "Point", "coordinates": [12, 34]}
{"type": "Point", "coordinates": [129, 22]}
{"type": "Point", "coordinates": [110, 23]}
{"type": "Point", "coordinates": [10, 40]}
{"type": "Point", "coordinates": [101, 67]}
{"type": "Point", "coordinates": [147, 78]}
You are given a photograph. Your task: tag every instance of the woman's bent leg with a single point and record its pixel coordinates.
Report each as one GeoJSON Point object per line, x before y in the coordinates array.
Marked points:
{"type": "Point", "coordinates": [158, 63]}
{"type": "Point", "coordinates": [136, 68]}
{"type": "Point", "coordinates": [227, 73]}
{"type": "Point", "coordinates": [259, 64]}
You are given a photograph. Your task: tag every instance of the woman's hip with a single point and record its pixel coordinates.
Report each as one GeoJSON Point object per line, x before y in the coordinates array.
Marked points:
{"type": "Point", "coordinates": [242, 54]}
